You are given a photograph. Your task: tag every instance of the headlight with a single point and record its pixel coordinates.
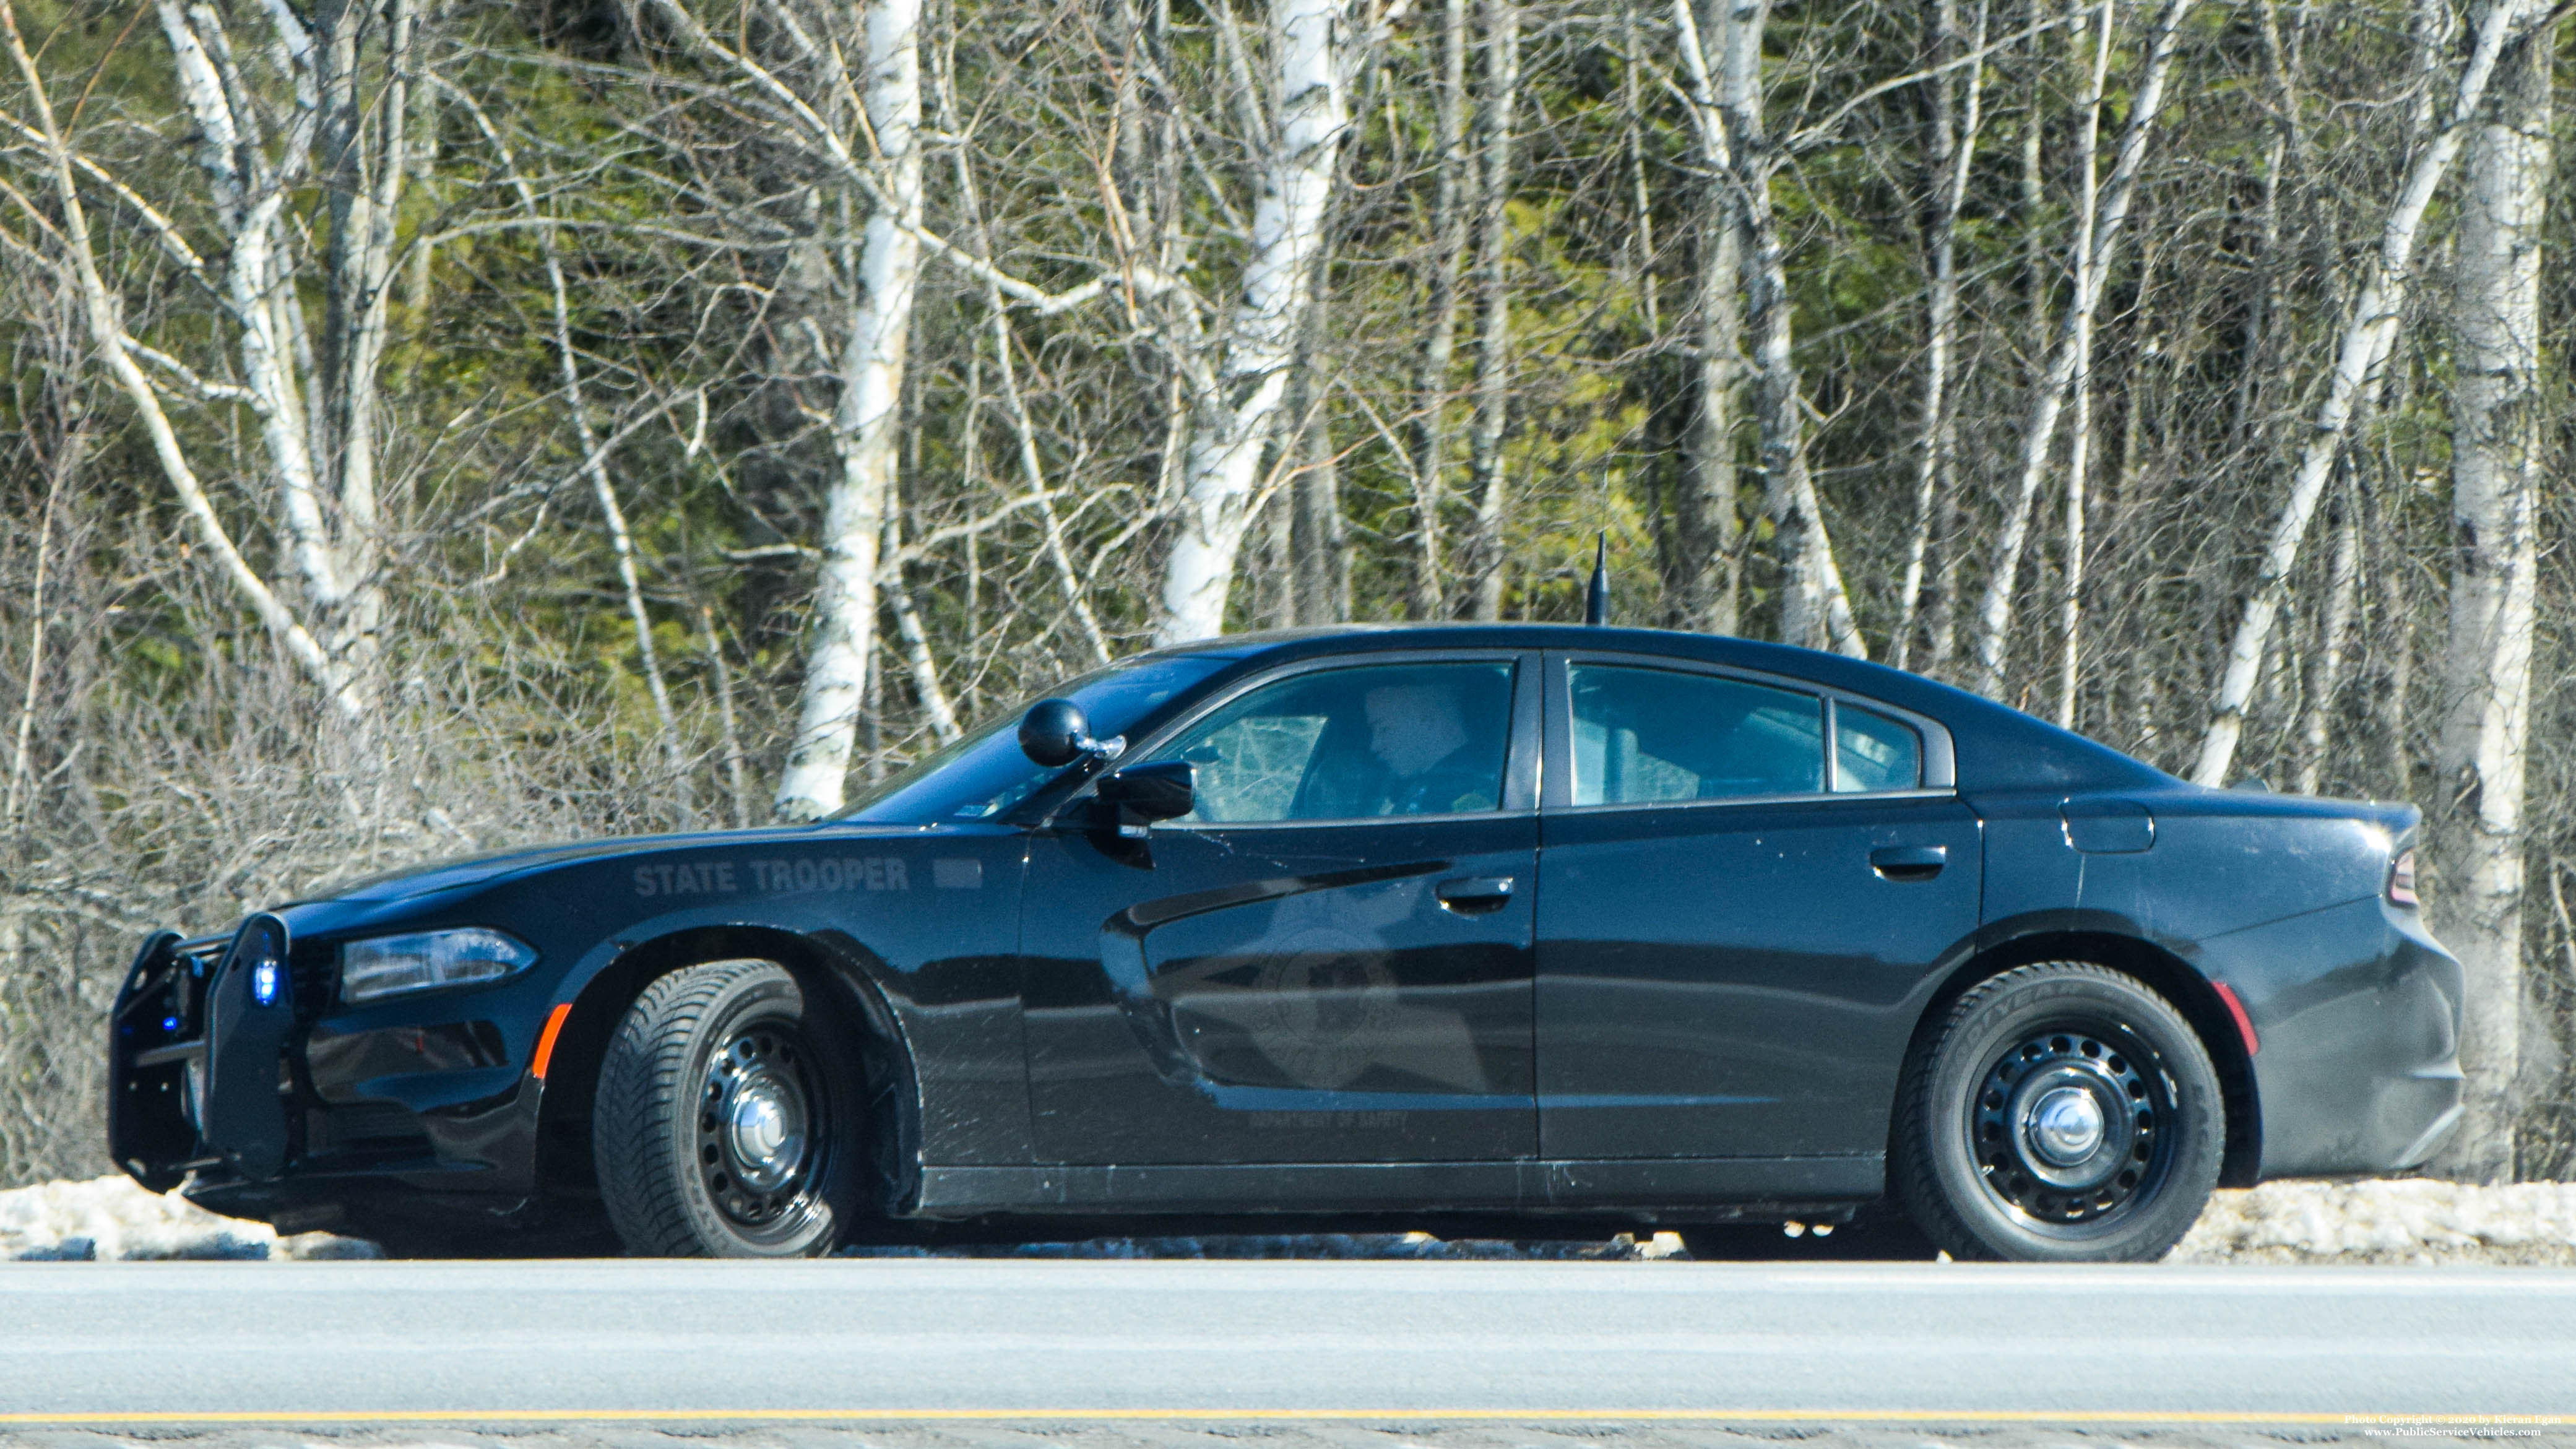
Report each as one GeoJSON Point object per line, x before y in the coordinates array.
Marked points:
{"type": "Point", "coordinates": [384, 966]}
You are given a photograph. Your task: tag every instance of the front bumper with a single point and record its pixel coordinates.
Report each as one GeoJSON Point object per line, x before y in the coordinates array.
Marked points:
{"type": "Point", "coordinates": [269, 1110]}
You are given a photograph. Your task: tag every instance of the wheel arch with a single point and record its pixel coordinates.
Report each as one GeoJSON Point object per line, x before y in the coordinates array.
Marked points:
{"type": "Point", "coordinates": [566, 1172]}
{"type": "Point", "coordinates": [2170, 977]}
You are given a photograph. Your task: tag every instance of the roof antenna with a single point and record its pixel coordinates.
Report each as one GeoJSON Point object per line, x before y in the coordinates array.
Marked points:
{"type": "Point", "coordinates": [1596, 597]}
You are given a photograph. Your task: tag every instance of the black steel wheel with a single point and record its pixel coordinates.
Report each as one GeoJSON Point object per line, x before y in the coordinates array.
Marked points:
{"type": "Point", "coordinates": [726, 1118]}
{"type": "Point", "coordinates": [2062, 1112]}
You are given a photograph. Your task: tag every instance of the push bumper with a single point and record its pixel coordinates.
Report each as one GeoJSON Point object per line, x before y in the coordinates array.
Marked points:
{"type": "Point", "coordinates": [225, 1076]}
{"type": "Point", "coordinates": [194, 1047]}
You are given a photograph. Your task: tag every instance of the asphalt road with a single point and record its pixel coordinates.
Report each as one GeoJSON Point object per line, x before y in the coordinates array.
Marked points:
{"type": "Point", "coordinates": [899, 1338]}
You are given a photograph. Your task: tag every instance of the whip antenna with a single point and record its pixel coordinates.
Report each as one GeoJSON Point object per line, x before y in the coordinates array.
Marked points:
{"type": "Point", "coordinates": [1596, 597]}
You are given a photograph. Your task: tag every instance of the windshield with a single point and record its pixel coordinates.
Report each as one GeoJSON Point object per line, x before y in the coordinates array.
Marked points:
{"type": "Point", "coordinates": [984, 774]}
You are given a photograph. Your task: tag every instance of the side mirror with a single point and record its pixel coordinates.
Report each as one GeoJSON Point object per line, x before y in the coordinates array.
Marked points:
{"type": "Point", "coordinates": [1162, 790]}
{"type": "Point", "coordinates": [1054, 733]}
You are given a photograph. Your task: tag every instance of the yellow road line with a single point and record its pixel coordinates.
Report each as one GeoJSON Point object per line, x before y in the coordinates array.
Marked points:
{"type": "Point", "coordinates": [1711, 1416]}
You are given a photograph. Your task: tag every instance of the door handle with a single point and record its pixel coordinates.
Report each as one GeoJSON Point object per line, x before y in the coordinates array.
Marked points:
{"type": "Point", "coordinates": [1475, 895]}
{"type": "Point", "coordinates": [1909, 862]}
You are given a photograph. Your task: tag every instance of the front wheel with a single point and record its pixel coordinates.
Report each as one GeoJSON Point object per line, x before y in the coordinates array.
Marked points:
{"type": "Point", "coordinates": [725, 1118]}
{"type": "Point", "coordinates": [2062, 1113]}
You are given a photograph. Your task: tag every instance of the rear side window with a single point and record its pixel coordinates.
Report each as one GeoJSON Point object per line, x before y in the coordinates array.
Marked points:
{"type": "Point", "coordinates": [1648, 735]}
{"type": "Point", "coordinates": [1873, 752]}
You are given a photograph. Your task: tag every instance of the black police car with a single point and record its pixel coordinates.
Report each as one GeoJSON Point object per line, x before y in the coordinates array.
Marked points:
{"type": "Point", "coordinates": [1543, 926]}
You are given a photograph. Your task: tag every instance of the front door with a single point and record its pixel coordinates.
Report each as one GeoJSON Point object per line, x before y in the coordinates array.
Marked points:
{"type": "Point", "coordinates": [1329, 960]}
{"type": "Point", "coordinates": [1734, 917]}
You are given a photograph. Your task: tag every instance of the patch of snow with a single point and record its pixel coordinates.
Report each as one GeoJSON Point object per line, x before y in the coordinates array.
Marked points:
{"type": "Point", "coordinates": [2400, 1221]}
{"type": "Point", "coordinates": [111, 1218]}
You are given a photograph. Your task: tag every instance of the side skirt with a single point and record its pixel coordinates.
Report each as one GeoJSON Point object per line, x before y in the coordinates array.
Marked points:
{"type": "Point", "coordinates": [1677, 1189]}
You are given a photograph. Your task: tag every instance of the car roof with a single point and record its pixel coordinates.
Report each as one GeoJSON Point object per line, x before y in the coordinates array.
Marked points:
{"type": "Point", "coordinates": [1997, 747]}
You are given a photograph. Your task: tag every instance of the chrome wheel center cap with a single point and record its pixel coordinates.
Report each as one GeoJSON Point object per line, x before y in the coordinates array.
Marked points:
{"type": "Point", "coordinates": [765, 1132]}
{"type": "Point", "coordinates": [2065, 1126]}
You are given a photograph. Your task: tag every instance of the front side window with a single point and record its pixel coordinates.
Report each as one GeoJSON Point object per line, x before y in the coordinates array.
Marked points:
{"type": "Point", "coordinates": [1345, 744]}
{"type": "Point", "coordinates": [1644, 736]}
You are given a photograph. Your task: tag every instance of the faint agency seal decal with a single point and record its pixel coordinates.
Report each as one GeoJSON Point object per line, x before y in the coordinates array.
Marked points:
{"type": "Point", "coordinates": [1327, 994]}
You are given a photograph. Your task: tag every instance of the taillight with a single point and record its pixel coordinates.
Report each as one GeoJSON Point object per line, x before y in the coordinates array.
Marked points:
{"type": "Point", "coordinates": [2401, 880]}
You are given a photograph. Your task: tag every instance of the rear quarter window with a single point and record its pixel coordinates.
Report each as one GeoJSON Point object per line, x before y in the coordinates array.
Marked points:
{"type": "Point", "coordinates": [1874, 752]}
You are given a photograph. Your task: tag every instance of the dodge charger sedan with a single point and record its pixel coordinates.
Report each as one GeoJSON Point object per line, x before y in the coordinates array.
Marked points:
{"type": "Point", "coordinates": [1542, 928]}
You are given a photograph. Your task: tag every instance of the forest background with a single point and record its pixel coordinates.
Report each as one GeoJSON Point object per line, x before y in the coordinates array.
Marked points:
{"type": "Point", "coordinates": [434, 425]}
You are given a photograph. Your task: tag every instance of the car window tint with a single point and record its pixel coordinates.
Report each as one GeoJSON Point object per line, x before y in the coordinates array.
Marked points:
{"type": "Point", "coordinates": [1873, 752]}
{"type": "Point", "coordinates": [1643, 735]}
{"type": "Point", "coordinates": [1343, 744]}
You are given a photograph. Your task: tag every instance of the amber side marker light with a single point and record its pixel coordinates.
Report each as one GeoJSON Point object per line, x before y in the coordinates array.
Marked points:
{"type": "Point", "coordinates": [2401, 880]}
{"type": "Point", "coordinates": [546, 1040]}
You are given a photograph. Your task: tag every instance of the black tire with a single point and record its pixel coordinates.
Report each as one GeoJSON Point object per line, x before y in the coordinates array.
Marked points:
{"type": "Point", "coordinates": [727, 1121]}
{"type": "Point", "coordinates": [2062, 1113]}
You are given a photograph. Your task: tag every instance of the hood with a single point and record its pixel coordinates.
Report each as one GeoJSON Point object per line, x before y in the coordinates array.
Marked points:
{"type": "Point", "coordinates": [473, 870]}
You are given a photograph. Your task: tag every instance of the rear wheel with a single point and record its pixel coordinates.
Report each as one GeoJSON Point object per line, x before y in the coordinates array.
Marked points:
{"type": "Point", "coordinates": [2063, 1112]}
{"type": "Point", "coordinates": [726, 1119]}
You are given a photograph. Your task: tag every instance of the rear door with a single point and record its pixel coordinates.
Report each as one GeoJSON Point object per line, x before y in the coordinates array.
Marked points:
{"type": "Point", "coordinates": [1329, 960]}
{"type": "Point", "coordinates": [1731, 915]}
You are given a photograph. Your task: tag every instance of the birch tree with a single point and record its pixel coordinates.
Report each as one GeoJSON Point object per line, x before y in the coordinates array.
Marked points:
{"type": "Point", "coordinates": [2369, 332]}
{"type": "Point", "coordinates": [1708, 529]}
{"type": "Point", "coordinates": [1485, 472]}
{"type": "Point", "coordinates": [314, 108]}
{"type": "Point", "coordinates": [1815, 610]}
{"type": "Point", "coordinates": [1728, 104]}
{"type": "Point", "coordinates": [1950, 149]}
{"type": "Point", "coordinates": [1454, 179]}
{"type": "Point", "coordinates": [1233, 401]}
{"type": "Point", "coordinates": [2497, 411]}
{"type": "Point", "coordinates": [866, 127]}
{"type": "Point", "coordinates": [2101, 217]}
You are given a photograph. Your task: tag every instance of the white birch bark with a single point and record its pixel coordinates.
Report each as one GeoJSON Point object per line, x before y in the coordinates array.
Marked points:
{"type": "Point", "coordinates": [250, 194]}
{"type": "Point", "coordinates": [1709, 530]}
{"type": "Point", "coordinates": [2343, 597]}
{"type": "Point", "coordinates": [2102, 219]}
{"type": "Point", "coordinates": [2369, 332]}
{"type": "Point", "coordinates": [1486, 475]}
{"type": "Point", "coordinates": [1453, 178]}
{"type": "Point", "coordinates": [362, 265]}
{"type": "Point", "coordinates": [878, 334]}
{"type": "Point", "coordinates": [31, 687]}
{"type": "Point", "coordinates": [1232, 410]}
{"type": "Point", "coordinates": [1816, 612]}
{"type": "Point", "coordinates": [2497, 411]}
{"type": "Point", "coordinates": [2079, 448]}
{"type": "Point", "coordinates": [248, 189]}
{"type": "Point", "coordinates": [1952, 144]}
{"type": "Point", "coordinates": [2070, 594]}
{"type": "Point", "coordinates": [1727, 111]}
